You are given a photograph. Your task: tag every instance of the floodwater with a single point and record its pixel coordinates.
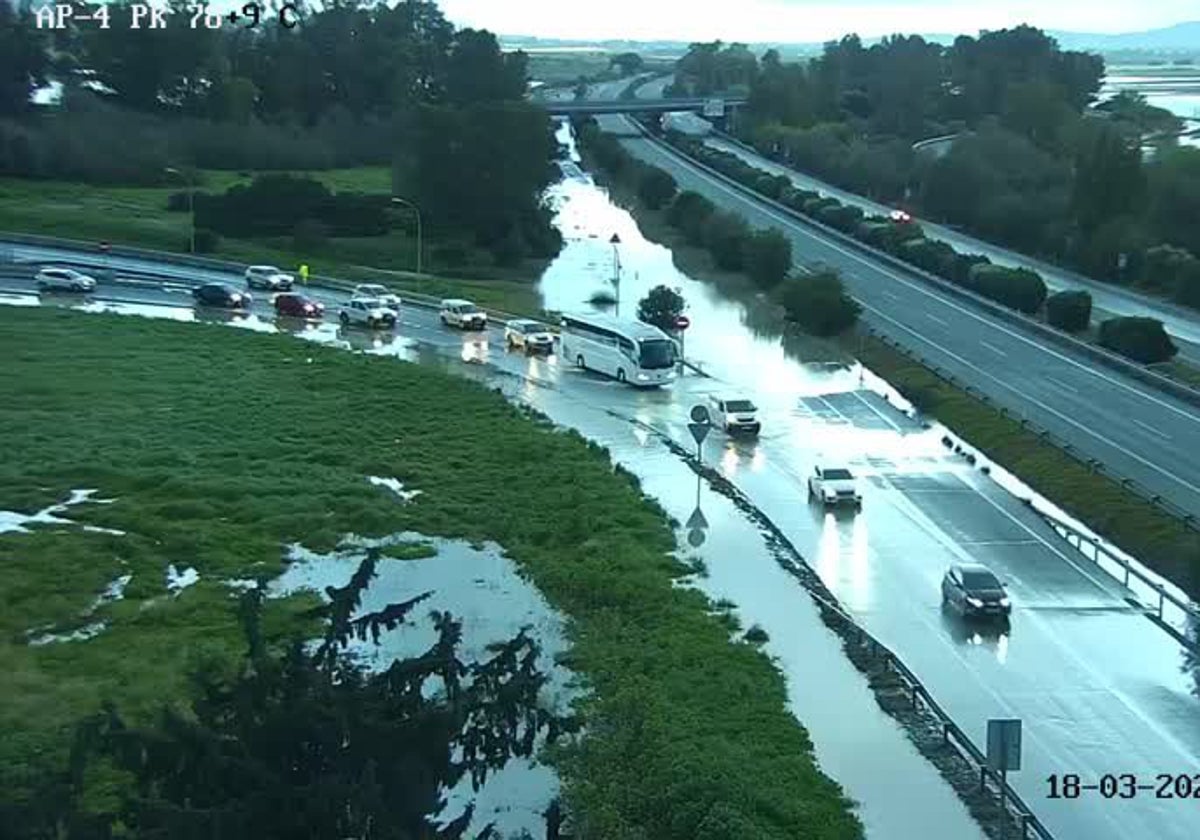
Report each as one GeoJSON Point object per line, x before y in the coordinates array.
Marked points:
{"type": "Point", "coordinates": [1178, 92]}
{"type": "Point", "coordinates": [483, 589]}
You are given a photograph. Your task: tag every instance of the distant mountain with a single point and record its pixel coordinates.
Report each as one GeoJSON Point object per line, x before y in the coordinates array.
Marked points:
{"type": "Point", "coordinates": [1182, 37]}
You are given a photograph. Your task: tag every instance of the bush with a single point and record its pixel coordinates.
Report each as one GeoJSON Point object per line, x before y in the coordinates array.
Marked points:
{"type": "Point", "coordinates": [932, 255]}
{"type": "Point", "coordinates": [1141, 339]}
{"type": "Point", "coordinates": [768, 257]}
{"type": "Point", "coordinates": [725, 236]}
{"type": "Point", "coordinates": [177, 202]}
{"type": "Point", "coordinates": [818, 303]}
{"type": "Point", "coordinates": [656, 187]}
{"type": "Point", "coordinates": [310, 235]}
{"type": "Point", "coordinates": [1017, 288]}
{"type": "Point", "coordinates": [688, 213]}
{"type": "Point", "coordinates": [207, 242]}
{"type": "Point", "coordinates": [1070, 311]}
{"type": "Point", "coordinates": [959, 268]}
{"type": "Point", "coordinates": [842, 217]}
{"type": "Point", "coordinates": [273, 205]}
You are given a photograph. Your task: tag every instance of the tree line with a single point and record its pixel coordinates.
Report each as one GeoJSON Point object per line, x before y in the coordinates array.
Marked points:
{"type": "Point", "coordinates": [354, 83]}
{"type": "Point", "coordinates": [1037, 163]}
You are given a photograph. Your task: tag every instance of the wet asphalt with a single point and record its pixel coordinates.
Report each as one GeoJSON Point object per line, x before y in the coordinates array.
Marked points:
{"type": "Point", "coordinates": [1099, 687]}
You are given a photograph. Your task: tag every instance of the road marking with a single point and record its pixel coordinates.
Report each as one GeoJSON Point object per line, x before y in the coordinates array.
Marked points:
{"type": "Point", "coordinates": [892, 295]}
{"type": "Point", "coordinates": [935, 318]}
{"type": "Point", "coordinates": [993, 348]}
{"type": "Point", "coordinates": [1065, 418]}
{"type": "Point", "coordinates": [1062, 385]}
{"type": "Point", "coordinates": [915, 285]}
{"type": "Point", "coordinates": [1151, 429]}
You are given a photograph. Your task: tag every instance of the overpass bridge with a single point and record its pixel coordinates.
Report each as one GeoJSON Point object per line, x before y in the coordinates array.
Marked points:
{"type": "Point", "coordinates": [710, 107]}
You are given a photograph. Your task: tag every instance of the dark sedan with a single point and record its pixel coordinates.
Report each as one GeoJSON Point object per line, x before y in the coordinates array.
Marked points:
{"type": "Point", "coordinates": [221, 295]}
{"type": "Point", "coordinates": [298, 306]}
{"type": "Point", "coordinates": [973, 591]}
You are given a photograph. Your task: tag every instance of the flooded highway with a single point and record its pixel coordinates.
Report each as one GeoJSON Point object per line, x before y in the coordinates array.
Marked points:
{"type": "Point", "coordinates": [1100, 688]}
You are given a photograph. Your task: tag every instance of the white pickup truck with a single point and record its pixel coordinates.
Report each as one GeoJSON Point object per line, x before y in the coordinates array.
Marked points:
{"type": "Point", "coordinates": [834, 486]}
{"type": "Point", "coordinates": [367, 311]}
{"type": "Point", "coordinates": [735, 416]}
{"type": "Point", "coordinates": [380, 293]}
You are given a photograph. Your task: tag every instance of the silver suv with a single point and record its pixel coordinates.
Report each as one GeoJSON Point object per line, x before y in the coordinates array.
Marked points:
{"type": "Point", "coordinates": [269, 277]}
{"type": "Point", "coordinates": [368, 312]}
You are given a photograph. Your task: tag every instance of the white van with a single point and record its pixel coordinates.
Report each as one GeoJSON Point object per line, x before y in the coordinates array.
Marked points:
{"type": "Point", "coordinates": [456, 312]}
{"type": "Point", "coordinates": [734, 415]}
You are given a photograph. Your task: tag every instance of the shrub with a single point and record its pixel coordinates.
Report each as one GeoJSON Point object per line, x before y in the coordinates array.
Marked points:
{"type": "Point", "coordinates": [818, 303]}
{"type": "Point", "coordinates": [932, 255]}
{"type": "Point", "coordinates": [959, 268]}
{"type": "Point", "coordinates": [656, 187]}
{"type": "Point", "coordinates": [207, 242]}
{"type": "Point", "coordinates": [661, 307]}
{"type": "Point", "coordinates": [842, 217]}
{"type": "Point", "coordinates": [768, 257]}
{"type": "Point", "coordinates": [1070, 311]}
{"type": "Point", "coordinates": [688, 213]}
{"type": "Point", "coordinates": [724, 236]}
{"type": "Point", "coordinates": [1141, 339]}
{"type": "Point", "coordinates": [310, 235]}
{"type": "Point", "coordinates": [177, 202]}
{"type": "Point", "coordinates": [1017, 288]}
{"type": "Point", "coordinates": [272, 205]}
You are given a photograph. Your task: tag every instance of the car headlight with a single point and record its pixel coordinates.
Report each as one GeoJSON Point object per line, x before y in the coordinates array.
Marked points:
{"type": "Point", "coordinates": [1004, 602]}
{"type": "Point", "coordinates": [975, 602]}
{"type": "Point", "coordinates": [642, 377]}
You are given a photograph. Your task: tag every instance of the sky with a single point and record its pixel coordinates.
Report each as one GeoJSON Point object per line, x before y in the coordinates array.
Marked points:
{"type": "Point", "coordinates": [796, 21]}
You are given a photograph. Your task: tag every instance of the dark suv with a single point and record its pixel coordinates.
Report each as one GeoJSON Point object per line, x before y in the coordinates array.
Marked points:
{"type": "Point", "coordinates": [222, 295]}
{"type": "Point", "coordinates": [973, 591]}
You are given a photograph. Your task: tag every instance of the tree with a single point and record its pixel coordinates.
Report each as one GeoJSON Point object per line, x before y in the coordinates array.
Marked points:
{"type": "Point", "coordinates": [1109, 181]}
{"type": "Point", "coordinates": [23, 60]}
{"type": "Point", "coordinates": [818, 303]}
{"type": "Point", "coordinates": [768, 257]}
{"type": "Point", "coordinates": [477, 71]}
{"type": "Point", "coordinates": [627, 63]}
{"type": "Point", "coordinates": [1174, 197]}
{"type": "Point", "coordinates": [688, 214]}
{"type": "Point", "coordinates": [724, 236]}
{"type": "Point", "coordinates": [656, 187]}
{"type": "Point", "coordinates": [1141, 339]}
{"type": "Point", "coordinates": [1069, 310]}
{"type": "Point", "coordinates": [308, 743]}
{"type": "Point", "coordinates": [661, 307]}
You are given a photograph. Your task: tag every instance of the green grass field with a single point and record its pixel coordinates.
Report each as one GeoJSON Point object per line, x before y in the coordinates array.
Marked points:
{"type": "Point", "coordinates": [1154, 537]}
{"type": "Point", "coordinates": [137, 216]}
{"type": "Point", "coordinates": [220, 447]}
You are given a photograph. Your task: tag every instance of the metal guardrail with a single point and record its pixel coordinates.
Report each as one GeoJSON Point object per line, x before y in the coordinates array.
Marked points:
{"type": "Point", "coordinates": [1098, 354]}
{"type": "Point", "coordinates": [1185, 517]}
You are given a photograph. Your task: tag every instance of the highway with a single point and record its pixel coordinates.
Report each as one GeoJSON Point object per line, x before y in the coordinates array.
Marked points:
{"type": "Point", "coordinates": [1107, 300]}
{"type": "Point", "coordinates": [1133, 429]}
{"type": "Point", "coordinates": [1099, 687]}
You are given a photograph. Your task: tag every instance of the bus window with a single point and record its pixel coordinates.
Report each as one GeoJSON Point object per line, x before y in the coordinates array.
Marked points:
{"type": "Point", "coordinates": [657, 354]}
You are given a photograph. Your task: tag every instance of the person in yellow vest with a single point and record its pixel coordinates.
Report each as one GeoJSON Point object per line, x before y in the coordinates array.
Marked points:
{"type": "Point", "coordinates": [304, 274]}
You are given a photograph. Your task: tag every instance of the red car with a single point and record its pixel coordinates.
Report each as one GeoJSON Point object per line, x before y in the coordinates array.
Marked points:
{"type": "Point", "coordinates": [298, 306]}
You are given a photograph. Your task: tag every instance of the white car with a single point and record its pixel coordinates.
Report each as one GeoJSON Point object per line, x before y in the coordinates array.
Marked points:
{"type": "Point", "coordinates": [532, 336]}
{"type": "Point", "coordinates": [368, 312]}
{"type": "Point", "coordinates": [64, 280]}
{"type": "Point", "coordinates": [834, 486]}
{"type": "Point", "coordinates": [456, 312]}
{"type": "Point", "coordinates": [734, 415]}
{"type": "Point", "coordinates": [269, 277]}
{"type": "Point", "coordinates": [380, 293]}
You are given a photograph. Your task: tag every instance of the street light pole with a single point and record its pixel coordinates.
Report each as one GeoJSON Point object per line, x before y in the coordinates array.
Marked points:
{"type": "Point", "coordinates": [417, 211]}
{"type": "Point", "coordinates": [615, 241]}
{"type": "Point", "coordinates": [191, 178]}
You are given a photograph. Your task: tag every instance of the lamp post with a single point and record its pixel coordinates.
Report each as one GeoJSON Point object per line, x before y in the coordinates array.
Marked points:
{"type": "Point", "coordinates": [417, 211]}
{"type": "Point", "coordinates": [191, 179]}
{"type": "Point", "coordinates": [615, 241]}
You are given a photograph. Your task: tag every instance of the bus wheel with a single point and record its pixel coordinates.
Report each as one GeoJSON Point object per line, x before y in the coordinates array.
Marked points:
{"type": "Point", "coordinates": [620, 374]}
{"type": "Point", "coordinates": [579, 361]}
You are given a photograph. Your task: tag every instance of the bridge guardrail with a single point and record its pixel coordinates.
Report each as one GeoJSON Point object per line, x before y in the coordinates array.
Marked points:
{"type": "Point", "coordinates": [1105, 357]}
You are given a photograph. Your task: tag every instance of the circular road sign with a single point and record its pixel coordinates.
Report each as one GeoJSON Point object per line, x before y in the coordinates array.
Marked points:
{"type": "Point", "coordinates": [699, 414]}
{"type": "Point", "coordinates": [683, 322]}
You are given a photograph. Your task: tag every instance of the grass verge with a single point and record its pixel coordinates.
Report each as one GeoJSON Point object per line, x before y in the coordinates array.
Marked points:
{"type": "Point", "coordinates": [1154, 537]}
{"type": "Point", "coordinates": [221, 446]}
{"type": "Point", "coordinates": [137, 216]}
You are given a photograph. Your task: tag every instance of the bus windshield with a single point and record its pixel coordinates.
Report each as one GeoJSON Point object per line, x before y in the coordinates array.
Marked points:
{"type": "Point", "coordinates": [657, 353]}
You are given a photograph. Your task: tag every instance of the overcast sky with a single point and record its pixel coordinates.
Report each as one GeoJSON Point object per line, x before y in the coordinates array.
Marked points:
{"type": "Point", "coordinates": [803, 20]}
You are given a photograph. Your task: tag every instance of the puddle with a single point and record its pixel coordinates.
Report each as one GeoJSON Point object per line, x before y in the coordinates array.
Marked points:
{"type": "Point", "coordinates": [483, 590]}
{"type": "Point", "coordinates": [14, 522]}
{"type": "Point", "coordinates": [396, 486]}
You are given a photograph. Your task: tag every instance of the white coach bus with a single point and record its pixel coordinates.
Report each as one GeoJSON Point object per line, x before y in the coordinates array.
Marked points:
{"type": "Point", "coordinates": [629, 351]}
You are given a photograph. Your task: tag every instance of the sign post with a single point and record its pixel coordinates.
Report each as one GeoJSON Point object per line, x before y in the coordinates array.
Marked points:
{"type": "Point", "coordinates": [699, 427]}
{"type": "Point", "coordinates": [1003, 753]}
{"type": "Point", "coordinates": [681, 325]}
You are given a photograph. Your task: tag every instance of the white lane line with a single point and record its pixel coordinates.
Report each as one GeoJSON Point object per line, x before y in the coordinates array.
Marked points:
{"type": "Point", "coordinates": [917, 285]}
{"type": "Point", "coordinates": [993, 348]}
{"type": "Point", "coordinates": [935, 318]}
{"type": "Point", "coordinates": [1065, 418]}
{"type": "Point", "coordinates": [891, 295]}
{"type": "Point", "coordinates": [1063, 385]}
{"type": "Point", "coordinates": [1151, 429]}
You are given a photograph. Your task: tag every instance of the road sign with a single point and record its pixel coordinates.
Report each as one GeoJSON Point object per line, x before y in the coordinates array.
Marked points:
{"type": "Point", "coordinates": [714, 107]}
{"type": "Point", "coordinates": [695, 538]}
{"type": "Point", "coordinates": [699, 414]}
{"type": "Point", "coordinates": [683, 322]}
{"type": "Point", "coordinates": [1004, 744]}
{"type": "Point", "coordinates": [699, 431]}
{"type": "Point", "coordinates": [696, 520]}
